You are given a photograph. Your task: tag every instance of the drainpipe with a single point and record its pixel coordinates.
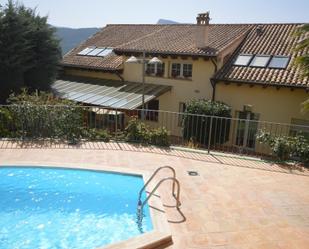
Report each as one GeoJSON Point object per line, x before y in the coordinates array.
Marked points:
{"type": "Point", "coordinates": [213, 84]}
{"type": "Point", "coordinates": [119, 76]}
{"type": "Point", "coordinates": [212, 81]}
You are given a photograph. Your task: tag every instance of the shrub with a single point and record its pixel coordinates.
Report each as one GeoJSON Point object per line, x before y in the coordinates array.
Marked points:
{"type": "Point", "coordinates": [208, 119]}
{"type": "Point", "coordinates": [300, 148]}
{"type": "Point", "coordinates": [286, 147]}
{"type": "Point", "coordinates": [5, 122]}
{"type": "Point", "coordinates": [43, 116]}
{"type": "Point", "coordinates": [96, 135]}
{"type": "Point", "coordinates": [137, 131]}
{"type": "Point", "coordinates": [159, 137]}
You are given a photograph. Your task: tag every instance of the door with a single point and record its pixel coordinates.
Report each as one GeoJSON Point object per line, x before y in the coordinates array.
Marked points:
{"type": "Point", "coordinates": [247, 127]}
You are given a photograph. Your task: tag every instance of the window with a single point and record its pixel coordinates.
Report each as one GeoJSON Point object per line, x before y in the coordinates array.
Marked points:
{"type": "Point", "coordinates": [95, 52]}
{"type": "Point", "coordinates": [181, 70]}
{"type": "Point", "coordinates": [105, 52]}
{"type": "Point", "coordinates": [160, 69]}
{"type": "Point", "coordinates": [86, 51]}
{"type": "Point", "coordinates": [155, 69]}
{"type": "Point", "coordinates": [182, 109]}
{"type": "Point", "coordinates": [176, 69]}
{"type": "Point", "coordinates": [279, 62]}
{"type": "Point", "coordinates": [243, 60]}
{"type": "Point", "coordinates": [187, 70]}
{"type": "Point", "coordinates": [276, 61]}
{"type": "Point", "coordinates": [152, 108]}
{"type": "Point", "coordinates": [260, 61]}
{"type": "Point", "coordinates": [151, 69]}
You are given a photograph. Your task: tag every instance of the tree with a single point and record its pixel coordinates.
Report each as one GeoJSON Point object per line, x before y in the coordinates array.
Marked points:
{"type": "Point", "coordinates": [29, 51]}
{"type": "Point", "coordinates": [303, 60]}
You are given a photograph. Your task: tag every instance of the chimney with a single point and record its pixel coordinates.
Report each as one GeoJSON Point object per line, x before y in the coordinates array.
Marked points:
{"type": "Point", "coordinates": [202, 30]}
{"type": "Point", "coordinates": [259, 30]}
{"type": "Point", "coordinates": [203, 18]}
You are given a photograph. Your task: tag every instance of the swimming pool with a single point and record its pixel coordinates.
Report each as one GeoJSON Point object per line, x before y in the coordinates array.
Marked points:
{"type": "Point", "coordinates": [64, 208]}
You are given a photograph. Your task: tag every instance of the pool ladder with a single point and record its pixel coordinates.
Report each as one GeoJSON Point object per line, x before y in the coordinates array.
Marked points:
{"type": "Point", "coordinates": [176, 195]}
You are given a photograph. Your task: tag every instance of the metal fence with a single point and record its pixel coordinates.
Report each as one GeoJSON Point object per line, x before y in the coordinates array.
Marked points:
{"type": "Point", "coordinates": [188, 130]}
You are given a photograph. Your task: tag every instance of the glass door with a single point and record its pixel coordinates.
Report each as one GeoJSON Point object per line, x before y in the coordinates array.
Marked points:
{"type": "Point", "coordinates": [247, 129]}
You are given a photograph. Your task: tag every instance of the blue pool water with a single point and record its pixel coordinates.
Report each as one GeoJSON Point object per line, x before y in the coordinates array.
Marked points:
{"type": "Point", "coordinates": [50, 208]}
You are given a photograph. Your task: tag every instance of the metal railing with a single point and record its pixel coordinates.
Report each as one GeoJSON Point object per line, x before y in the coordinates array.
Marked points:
{"type": "Point", "coordinates": [71, 123]}
{"type": "Point", "coordinates": [151, 178]}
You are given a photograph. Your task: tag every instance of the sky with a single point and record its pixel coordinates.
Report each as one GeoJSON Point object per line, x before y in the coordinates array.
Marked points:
{"type": "Point", "coordinates": [98, 13]}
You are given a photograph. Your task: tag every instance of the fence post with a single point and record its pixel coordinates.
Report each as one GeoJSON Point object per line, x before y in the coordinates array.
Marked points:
{"type": "Point", "coordinates": [116, 124]}
{"type": "Point", "coordinates": [209, 135]}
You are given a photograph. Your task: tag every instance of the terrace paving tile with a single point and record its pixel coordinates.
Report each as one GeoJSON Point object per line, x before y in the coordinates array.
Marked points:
{"type": "Point", "coordinates": [225, 206]}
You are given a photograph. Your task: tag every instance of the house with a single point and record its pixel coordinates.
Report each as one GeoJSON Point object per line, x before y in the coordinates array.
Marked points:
{"type": "Point", "coordinates": [248, 66]}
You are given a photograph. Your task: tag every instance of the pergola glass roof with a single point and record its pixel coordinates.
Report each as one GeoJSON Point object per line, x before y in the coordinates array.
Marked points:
{"type": "Point", "coordinates": [107, 93]}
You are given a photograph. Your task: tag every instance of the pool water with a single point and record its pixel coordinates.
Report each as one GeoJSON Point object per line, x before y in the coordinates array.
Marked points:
{"type": "Point", "coordinates": [51, 208]}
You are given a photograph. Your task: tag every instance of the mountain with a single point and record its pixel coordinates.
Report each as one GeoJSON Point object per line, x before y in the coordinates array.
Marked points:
{"type": "Point", "coordinates": [164, 21]}
{"type": "Point", "coordinates": [70, 38]}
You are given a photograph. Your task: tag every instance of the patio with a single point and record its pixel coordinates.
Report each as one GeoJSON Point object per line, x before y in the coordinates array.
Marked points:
{"type": "Point", "coordinates": [232, 203]}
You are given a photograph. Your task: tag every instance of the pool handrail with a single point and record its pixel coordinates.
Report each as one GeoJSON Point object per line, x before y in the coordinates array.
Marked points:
{"type": "Point", "coordinates": [150, 179]}
{"type": "Point", "coordinates": [177, 196]}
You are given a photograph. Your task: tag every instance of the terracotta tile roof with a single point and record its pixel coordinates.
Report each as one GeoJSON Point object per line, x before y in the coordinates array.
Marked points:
{"type": "Point", "coordinates": [276, 39]}
{"type": "Point", "coordinates": [110, 62]}
{"type": "Point", "coordinates": [181, 39]}
{"type": "Point", "coordinates": [110, 36]}
{"type": "Point", "coordinates": [169, 39]}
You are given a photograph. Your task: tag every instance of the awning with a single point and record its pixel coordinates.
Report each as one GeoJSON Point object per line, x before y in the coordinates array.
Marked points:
{"type": "Point", "coordinates": [107, 93]}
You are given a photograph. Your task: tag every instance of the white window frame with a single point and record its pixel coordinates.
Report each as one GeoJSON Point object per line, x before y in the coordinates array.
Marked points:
{"type": "Point", "coordinates": [155, 69]}
{"type": "Point", "coordinates": [181, 70]}
{"type": "Point", "coordinates": [182, 66]}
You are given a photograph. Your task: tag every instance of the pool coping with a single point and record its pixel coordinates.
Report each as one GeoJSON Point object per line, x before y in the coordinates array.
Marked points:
{"type": "Point", "coordinates": [159, 237]}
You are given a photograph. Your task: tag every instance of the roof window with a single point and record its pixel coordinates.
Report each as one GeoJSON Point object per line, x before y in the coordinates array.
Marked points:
{"type": "Point", "coordinates": [279, 62]}
{"type": "Point", "coordinates": [97, 52]}
{"type": "Point", "coordinates": [260, 61]}
{"type": "Point", "coordinates": [86, 51]}
{"type": "Point", "coordinates": [243, 59]}
{"type": "Point", "coordinates": [105, 52]}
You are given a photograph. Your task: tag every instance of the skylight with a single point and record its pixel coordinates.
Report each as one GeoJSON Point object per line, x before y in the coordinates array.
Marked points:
{"type": "Point", "coordinates": [279, 62]}
{"type": "Point", "coordinates": [243, 60]}
{"type": "Point", "coordinates": [105, 52]}
{"type": "Point", "coordinates": [260, 61]}
{"type": "Point", "coordinates": [86, 51]}
{"type": "Point", "coordinates": [95, 52]}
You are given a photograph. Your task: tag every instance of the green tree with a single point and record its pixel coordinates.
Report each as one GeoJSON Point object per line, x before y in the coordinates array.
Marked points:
{"type": "Point", "coordinates": [29, 51]}
{"type": "Point", "coordinates": [303, 60]}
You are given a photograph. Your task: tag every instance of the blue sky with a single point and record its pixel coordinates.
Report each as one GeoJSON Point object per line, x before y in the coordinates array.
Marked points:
{"type": "Point", "coordinates": [98, 13]}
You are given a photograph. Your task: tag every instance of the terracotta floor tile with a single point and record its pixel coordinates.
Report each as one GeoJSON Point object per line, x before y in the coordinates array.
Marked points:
{"type": "Point", "coordinates": [226, 206]}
